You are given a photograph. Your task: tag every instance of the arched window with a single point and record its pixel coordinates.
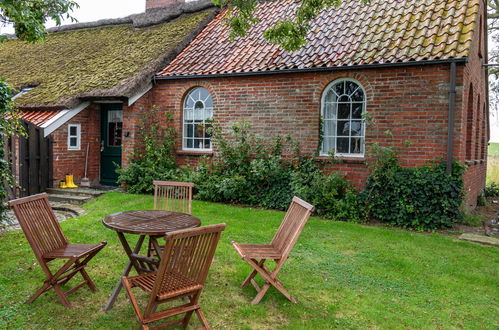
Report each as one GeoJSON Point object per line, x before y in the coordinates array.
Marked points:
{"type": "Point", "coordinates": [198, 112]}
{"type": "Point", "coordinates": [343, 129]}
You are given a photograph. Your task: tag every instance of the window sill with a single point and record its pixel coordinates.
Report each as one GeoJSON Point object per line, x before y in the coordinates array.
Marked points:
{"type": "Point", "coordinates": [341, 160]}
{"type": "Point", "coordinates": [194, 153]}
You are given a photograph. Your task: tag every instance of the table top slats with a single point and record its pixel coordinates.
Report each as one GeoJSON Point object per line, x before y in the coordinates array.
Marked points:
{"type": "Point", "coordinates": [150, 222]}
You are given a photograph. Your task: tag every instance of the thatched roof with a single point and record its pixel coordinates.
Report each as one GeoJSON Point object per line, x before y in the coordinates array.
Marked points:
{"type": "Point", "coordinates": [104, 59]}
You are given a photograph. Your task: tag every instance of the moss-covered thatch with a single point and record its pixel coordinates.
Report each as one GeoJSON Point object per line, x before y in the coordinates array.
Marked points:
{"type": "Point", "coordinates": [106, 61]}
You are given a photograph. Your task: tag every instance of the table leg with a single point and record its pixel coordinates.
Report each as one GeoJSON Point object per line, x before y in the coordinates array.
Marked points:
{"type": "Point", "coordinates": [127, 269]}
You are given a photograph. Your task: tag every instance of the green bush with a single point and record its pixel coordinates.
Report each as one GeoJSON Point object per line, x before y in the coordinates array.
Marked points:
{"type": "Point", "coordinates": [252, 171]}
{"type": "Point", "coordinates": [153, 157]}
{"type": "Point", "coordinates": [492, 190]}
{"type": "Point", "coordinates": [422, 198]}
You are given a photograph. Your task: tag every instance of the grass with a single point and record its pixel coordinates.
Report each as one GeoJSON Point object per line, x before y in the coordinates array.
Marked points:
{"type": "Point", "coordinates": [493, 163]}
{"type": "Point", "coordinates": [344, 276]}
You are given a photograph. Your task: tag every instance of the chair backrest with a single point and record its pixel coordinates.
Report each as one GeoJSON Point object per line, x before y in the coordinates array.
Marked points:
{"type": "Point", "coordinates": [173, 196]}
{"type": "Point", "coordinates": [188, 253]}
{"type": "Point", "coordinates": [39, 224]}
{"type": "Point", "coordinates": [290, 229]}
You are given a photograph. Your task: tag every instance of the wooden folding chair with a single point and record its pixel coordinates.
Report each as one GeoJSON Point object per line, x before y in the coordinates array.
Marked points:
{"type": "Point", "coordinates": [285, 238]}
{"type": "Point", "coordinates": [44, 234]}
{"type": "Point", "coordinates": [182, 272]}
{"type": "Point", "coordinates": [171, 196]}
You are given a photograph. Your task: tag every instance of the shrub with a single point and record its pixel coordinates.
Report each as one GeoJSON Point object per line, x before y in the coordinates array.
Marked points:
{"type": "Point", "coordinates": [492, 190]}
{"type": "Point", "coordinates": [153, 157]}
{"type": "Point", "coordinates": [422, 198]}
{"type": "Point", "coordinates": [253, 171]}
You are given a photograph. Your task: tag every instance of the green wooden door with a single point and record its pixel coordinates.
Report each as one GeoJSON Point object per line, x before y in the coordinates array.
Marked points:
{"type": "Point", "coordinates": [111, 137]}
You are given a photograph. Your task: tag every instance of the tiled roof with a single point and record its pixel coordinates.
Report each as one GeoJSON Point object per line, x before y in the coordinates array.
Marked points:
{"type": "Point", "coordinates": [38, 117]}
{"type": "Point", "coordinates": [384, 31]}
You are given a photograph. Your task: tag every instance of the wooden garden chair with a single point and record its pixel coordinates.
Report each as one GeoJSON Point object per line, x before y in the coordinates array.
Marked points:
{"type": "Point", "coordinates": [44, 234]}
{"type": "Point", "coordinates": [285, 238]}
{"type": "Point", "coordinates": [182, 272]}
{"type": "Point", "coordinates": [171, 196]}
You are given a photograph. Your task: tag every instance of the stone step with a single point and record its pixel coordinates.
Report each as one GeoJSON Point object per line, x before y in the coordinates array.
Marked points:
{"type": "Point", "coordinates": [88, 192]}
{"type": "Point", "coordinates": [69, 199]}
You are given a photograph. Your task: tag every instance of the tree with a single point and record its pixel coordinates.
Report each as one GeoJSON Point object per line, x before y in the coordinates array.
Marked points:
{"type": "Point", "coordinates": [289, 34]}
{"type": "Point", "coordinates": [28, 18]}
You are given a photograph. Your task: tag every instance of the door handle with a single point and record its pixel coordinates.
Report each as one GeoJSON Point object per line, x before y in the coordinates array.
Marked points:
{"type": "Point", "coordinates": [102, 146]}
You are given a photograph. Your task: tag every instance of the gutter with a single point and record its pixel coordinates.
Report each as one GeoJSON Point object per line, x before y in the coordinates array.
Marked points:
{"type": "Point", "coordinates": [317, 69]}
{"type": "Point", "coordinates": [451, 117]}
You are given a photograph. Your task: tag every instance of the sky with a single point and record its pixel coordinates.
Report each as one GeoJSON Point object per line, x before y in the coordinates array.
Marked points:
{"type": "Point", "coordinates": [93, 10]}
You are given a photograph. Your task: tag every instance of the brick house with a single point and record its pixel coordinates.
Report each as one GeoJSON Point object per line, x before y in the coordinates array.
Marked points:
{"type": "Point", "coordinates": [415, 68]}
{"type": "Point", "coordinates": [77, 84]}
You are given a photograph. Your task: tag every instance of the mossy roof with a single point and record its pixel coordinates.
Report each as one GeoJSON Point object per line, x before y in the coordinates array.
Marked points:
{"type": "Point", "coordinates": [383, 31]}
{"type": "Point", "coordinates": [105, 61]}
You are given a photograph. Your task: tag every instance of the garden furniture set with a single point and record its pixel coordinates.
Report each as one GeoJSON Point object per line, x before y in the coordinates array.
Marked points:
{"type": "Point", "coordinates": [176, 269]}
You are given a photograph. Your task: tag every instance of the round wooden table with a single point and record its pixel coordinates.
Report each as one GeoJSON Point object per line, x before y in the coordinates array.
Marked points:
{"type": "Point", "coordinates": [152, 223]}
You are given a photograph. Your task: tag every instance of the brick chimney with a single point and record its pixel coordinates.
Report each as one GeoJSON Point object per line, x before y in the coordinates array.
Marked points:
{"type": "Point", "coordinates": [153, 4]}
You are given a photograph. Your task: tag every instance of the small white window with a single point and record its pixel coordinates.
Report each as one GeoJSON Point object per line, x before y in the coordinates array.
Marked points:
{"type": "Point", "coordinates": [198, 112]}
{"type": "Point", "coordinates": [74, 137]}
{"type": "Point", "coordinates": [343, 129]}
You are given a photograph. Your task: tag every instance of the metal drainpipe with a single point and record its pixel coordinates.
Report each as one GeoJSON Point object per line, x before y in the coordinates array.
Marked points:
{"type": "Point", "coordinates": [451, 116]}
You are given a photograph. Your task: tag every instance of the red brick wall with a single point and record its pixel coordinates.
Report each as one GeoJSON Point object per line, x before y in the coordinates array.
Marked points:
{"type": "Point", "coordinates": [472, 145]}
{"type": "Point", "coordinates": [73, 161]}
{"type": "Point", "coordinates": [411, 102]}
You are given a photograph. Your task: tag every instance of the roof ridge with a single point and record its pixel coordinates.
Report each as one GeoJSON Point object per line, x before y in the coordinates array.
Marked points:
{"type": "Point", "coordinates": [140, 20]}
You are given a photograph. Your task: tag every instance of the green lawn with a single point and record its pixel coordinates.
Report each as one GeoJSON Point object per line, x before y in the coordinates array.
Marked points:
{"type": "Point", "coordinates": [343, 275]}
{"type": "Point", "coordinates": [493, 163]}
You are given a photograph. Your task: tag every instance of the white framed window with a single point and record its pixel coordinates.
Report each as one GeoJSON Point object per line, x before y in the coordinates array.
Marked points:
{"type": "Point", "coordinates": [74, 137]}
{"type": "Point", "coordinates": [343, 107]}
{"type": "Point", "coordinates": [198, 113]}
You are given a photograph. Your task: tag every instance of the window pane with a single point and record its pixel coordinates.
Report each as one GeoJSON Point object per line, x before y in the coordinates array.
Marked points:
{"type": "Point", "coordinates": [344, 98]}
{"type": "Point", "coordinates": [73, 142]}
{"type": "Point", "coordinates": [343, 110]}
{"type": "Point", "coordinates": [343, 128]}
{"type": "Point", "coordinates": [330, 96]}
{"type": "Point", "coordinates": [358, 95]}
{"type": "Point", "coordinates": [356, 127]}
{"type": "Point", "coordinates": [198, 143]}
{"type": "Point", "coordinates": [339, 88]}
{"type": "Point", "coordinates": [328, 144]}
{"type": "Point", "coordinates": [355, 145]}
{"type": "Point", "coordinates": [189, 143]}
{"type": "Point", "coordinates": [73, 130]}
{"type": "Point", "coordinates": [329, 128]}
{"type": "Point", "coordinates": [350, 87]}
{"type": "Point", "coordinates": [189, 130]}
{"type": "Point", "coordinates": [342, 145]}
{"type": "Point", "coordinates": [357, 110]}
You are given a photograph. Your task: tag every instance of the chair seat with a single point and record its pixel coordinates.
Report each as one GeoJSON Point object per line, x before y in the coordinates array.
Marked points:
{"type": "Point", "coordinates": [258, 251]}
{"type": "Point", "coordinates": [71, 250]}
{"type": "Point", "coordinates": [173, 285]}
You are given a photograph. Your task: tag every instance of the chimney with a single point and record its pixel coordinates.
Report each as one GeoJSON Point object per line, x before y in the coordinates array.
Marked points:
{"type": "Point", "coordinates": [154, 4]}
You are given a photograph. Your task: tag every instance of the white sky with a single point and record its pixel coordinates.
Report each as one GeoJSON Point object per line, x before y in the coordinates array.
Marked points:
{"type": "Point", "coordinates": [92, 10]}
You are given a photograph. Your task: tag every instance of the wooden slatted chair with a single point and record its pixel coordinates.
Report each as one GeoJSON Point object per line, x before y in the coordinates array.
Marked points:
{"type": "Point", "coordinates": [171, 196]}
{"type": "Point", "coordinates": [182, 272]}
{"type": "Point", "coordinates": [44, 234]}
{"type": "Point", "coordinates": [279, 248]}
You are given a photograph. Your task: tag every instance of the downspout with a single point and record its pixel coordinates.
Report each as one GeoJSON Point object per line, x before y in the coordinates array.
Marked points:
{"type": "Point", "coordinates": [451, 117]}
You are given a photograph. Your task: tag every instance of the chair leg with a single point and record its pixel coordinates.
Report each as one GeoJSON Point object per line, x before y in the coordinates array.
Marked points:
{"type": "Point", "coordinates": [202, 319]}
{"type": "Point", "coordinates": [252, 274]}
{"type": "Point", "coordinates": [38, 292]}
{"type": "Point", "coordinates": [260, 294]}
{"type": "Point", "coordinates": [62, 296]}
{"type": "Point", "coordinates": [87, 279]}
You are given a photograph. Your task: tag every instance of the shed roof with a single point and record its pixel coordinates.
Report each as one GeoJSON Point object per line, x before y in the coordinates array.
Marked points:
{"type": "Point", "coordinates": [384, 31]}
{"type": "Point", "coordinates": [110, 61]}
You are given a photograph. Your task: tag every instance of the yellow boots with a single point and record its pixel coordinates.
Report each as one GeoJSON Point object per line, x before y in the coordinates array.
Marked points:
{"type": "Point", "coordinates": [68, 183]}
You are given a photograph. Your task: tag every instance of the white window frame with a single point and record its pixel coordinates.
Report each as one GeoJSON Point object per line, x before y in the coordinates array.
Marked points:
{"type": "Point", "coordinates": [77, 136]}
{"type": "Point", "coordinates": [204, 121]}
{"type": "Point", "coordinates": [363, 122]}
